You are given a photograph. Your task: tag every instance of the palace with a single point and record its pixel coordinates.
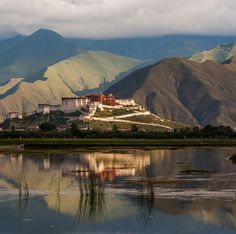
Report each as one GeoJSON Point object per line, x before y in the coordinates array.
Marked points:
{"type": "Point", "coordinates": [86, 104]}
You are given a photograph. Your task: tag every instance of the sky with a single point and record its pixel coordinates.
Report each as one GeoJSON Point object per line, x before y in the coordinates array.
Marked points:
{"type": "Point", "coordinates": [118, 18]}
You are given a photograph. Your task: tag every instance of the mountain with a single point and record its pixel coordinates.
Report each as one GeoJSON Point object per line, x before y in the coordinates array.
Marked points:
{"type": "Point", "coordinates": [155, 48]}
{"type": "Point", "coordinates": [183, 91]}
{"type": "Point", "coordinates": [230, 63]}
{"type": "Point", "coordinates": [218, 54]}
{"type": "Point", "coordinates": [10, 42]}
{"type": "Point", "coordinates": [33, 54]}
{"type": "Point", "coordinates": [43, 67]}
{"type": "Point", "coordinates": [85, 71]}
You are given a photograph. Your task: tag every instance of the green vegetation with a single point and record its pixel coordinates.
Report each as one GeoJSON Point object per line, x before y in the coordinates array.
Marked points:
{"type": "Point", "coordinates": [88, 131]}
{"type": "Point", "coordinates": [134, 128]}
{"type": "Point", "coordinates": [75, 137]}
{"type": "Point", "coordinates": [76, 143]}
{"type": "Point", "coordinates": [154, 120]}
{"type": "Point", "coordinates": [195, 171]}
{"type": "Point", "coordinates": [32, 121]}
{"type": "Point", "coordinates": [47, 126]}
{"type": "Point", "coordinates": [106, 112]}
{"type": "Point", "coordinates": [115, 129]}
{"type": "Point", "coordinates": [106, 126]}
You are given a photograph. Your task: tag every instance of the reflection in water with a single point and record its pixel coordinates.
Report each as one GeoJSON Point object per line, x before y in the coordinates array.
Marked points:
{"type": "Point", "coordinates": [145, 196]}
{"type": "Point", "coordinates": [91, 200]}
{"type": "Point", "coordinates": [98, 186]}
{"type": "Point", "coordinates": [145, 206]}
{"type": "Point", "coordinates": [23, 193]}
{"type": "Point", "coordinates": [91, 208]}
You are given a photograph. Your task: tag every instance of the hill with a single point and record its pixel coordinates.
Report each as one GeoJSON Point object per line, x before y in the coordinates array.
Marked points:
{"type": "Point", "coordinates": [87, 70]}
{"type": "Point", "coordinates": [91, 70]}
{"type": "Point", "coordinates": [218, 54]}
{"type": "Point", "coordinates": [230, 63]}
{"type": "Point", "coordinates": [183, 91]}
{"type": "Point", "coordinates": [32, 54]}
{"type": "Point", "coordinates": [10, 42]}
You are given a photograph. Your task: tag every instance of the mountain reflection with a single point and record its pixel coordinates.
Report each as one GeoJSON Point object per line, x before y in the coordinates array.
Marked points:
{"type": "Point", "coordinates": [76, 183]}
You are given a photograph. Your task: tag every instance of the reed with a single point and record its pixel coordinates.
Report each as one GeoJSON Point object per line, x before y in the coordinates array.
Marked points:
{"type": "Point", "coordinates": [23, 196]}
{"type": "Point", "coordinates": [91, 205]}
{"type": "Point", "coordinates": [233, 158]}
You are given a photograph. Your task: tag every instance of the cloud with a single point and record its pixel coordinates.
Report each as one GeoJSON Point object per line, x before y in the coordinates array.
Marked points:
{"type": "Point", "coordinates": [119, 18]}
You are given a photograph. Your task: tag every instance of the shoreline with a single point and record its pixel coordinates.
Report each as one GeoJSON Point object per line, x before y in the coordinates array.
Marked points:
{"type": "Point", "coordinates": [72, 143]}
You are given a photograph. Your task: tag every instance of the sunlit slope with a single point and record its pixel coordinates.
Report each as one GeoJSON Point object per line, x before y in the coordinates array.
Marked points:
{"type": "Point", "coordinates": [90, 69]}
{"type": "Point", "coordinates": [218, 54]}
{"type": "Point", "coordinates": [10, 84]}
{"type": "Point", "coordinates": [85, 71]}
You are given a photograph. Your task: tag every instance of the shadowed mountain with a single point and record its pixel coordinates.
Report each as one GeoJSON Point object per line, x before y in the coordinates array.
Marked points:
{"type": "Point", "coordinates": [184, 91]}
{"type": "Point", "coordinates": [33, 54]}
{"type": "Point", "coordinates": [230, 63]}
{"type": "Point", "coordinates": [10, 42]}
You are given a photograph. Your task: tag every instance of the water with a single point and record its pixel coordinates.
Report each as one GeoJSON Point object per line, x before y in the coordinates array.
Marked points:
{"type": "Point", "coordinates": [182, 190]}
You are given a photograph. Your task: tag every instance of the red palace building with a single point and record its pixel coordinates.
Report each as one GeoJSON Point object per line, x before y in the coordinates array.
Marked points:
{"type": "Point", "coordinates": [109, 100]}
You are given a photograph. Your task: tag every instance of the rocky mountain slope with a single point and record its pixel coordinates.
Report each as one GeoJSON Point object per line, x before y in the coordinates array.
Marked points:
{"type": "Point", "coordinates": [184, 91]}
{"type": "Point", "coordinates": [218, 54]}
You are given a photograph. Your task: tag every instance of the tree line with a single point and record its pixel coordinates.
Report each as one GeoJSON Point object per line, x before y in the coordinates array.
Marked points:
{"type": "Point", "coordinates": [48, 130]}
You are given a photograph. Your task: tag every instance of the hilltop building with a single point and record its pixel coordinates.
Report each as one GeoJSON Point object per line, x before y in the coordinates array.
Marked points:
{"type": "Point", "coordinates": [109, 100]}
{"type": "Point", "coordinates": [73, 104]}
{"type": "Point", "coordinates": [126, 102]}
{"type": "Point", "coordinates": [14, 115]}
{"type": "Point", "coordinates": [47, 108]}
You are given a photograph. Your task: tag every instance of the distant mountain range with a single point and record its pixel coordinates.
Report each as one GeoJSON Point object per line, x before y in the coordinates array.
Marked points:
{"type": "Point", "coordinates": [155, 48]}
{"type": "Point", "coordinates": [147, 48]}
{"type": "Point", "coordinates": [43, 67]}
{"type": "Point", "coordinates": [218, 54]}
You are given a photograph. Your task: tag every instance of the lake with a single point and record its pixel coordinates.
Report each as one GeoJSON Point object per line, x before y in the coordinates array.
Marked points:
{"type": "Point", "coordinates": [149, 190]}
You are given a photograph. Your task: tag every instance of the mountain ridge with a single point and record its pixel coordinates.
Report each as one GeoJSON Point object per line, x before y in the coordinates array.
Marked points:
{"type": "Point", "coordinates": [184, 91]}
{"type": "Point", "coordinates": [218, 54]}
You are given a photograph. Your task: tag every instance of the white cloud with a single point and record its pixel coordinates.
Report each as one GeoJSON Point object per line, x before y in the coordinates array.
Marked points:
{"type": "Point", "coordinates": [119, 18]}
